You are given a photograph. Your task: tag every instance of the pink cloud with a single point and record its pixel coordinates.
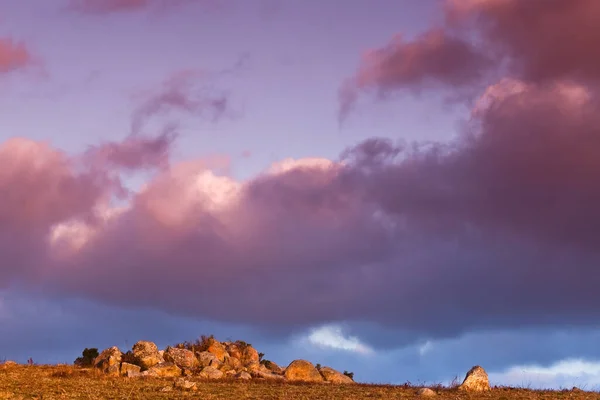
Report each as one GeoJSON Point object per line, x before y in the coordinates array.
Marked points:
{"type": "Point", "coordinates": [482, 40]}
{"type": "Point", "coordinates": [116, 6]}
{"type": "Point", "coordinates": [186, 92]}
{"type": "Point", "coordinates": [13, 55]}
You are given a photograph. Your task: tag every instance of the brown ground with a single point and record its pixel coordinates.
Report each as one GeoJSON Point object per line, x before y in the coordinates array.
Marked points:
{"type": "Point", "coordinates": [66, 382]}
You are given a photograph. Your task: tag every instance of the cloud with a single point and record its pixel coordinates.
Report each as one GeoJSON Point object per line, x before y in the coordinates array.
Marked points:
{"type": "Point", "coordinates": [187, 92]}
{"type": "Point", "coordinates": [481, 41]}
{"type": "Point", "coordinates": [122, 6]}
{"type": "Point", "coordinates": [13, 55]}
{"type": "Point", "coordinates": [332, 336]}
{"type": "Point", "coordinates": [565, 373]}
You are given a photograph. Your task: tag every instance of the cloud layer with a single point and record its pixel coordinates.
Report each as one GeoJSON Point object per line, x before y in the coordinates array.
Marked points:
{"type": "Point", "coordinates": [496, 229]}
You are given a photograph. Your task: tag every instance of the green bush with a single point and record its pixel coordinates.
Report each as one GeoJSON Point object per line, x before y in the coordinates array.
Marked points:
{"type": "Point", "coordinates": [87, 357]}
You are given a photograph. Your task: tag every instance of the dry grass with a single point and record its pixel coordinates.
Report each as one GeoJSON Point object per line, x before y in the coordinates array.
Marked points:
{"type": "Point", "coordinates": [67, 382]}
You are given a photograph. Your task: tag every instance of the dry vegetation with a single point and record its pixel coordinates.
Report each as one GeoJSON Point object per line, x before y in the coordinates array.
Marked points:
{"type": "Point", "coordinates": [68, 382]}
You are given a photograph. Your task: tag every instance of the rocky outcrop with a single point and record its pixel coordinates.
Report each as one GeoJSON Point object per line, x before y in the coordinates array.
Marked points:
{"type": "Point", "coordinates": [476, 380]}
{"type": "Point", "coordinates": [234, 360]}
{"type": "Point", "coordinates": [333, 376]}
{"type": "Point", "coordinates": [146, 354]}
{"type": "Point", "coordinates": [303, 371]}
{"type": "Point", "coordinates": [109, 361]}
{"type": "Point", "coordinates": [183, 358]}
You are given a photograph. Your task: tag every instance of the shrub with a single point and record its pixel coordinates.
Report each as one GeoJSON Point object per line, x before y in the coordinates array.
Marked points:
{"type": "Point", "coordinates": [349, 374]}
{"type": "Point", "coordinates": [87, 357]}
{"type": "Point", "coordinates": [199, 345]}
{"type": "Point", "coordinates": [318, 366]}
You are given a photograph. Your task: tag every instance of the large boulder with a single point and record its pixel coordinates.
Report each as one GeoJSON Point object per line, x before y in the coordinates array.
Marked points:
{"type": "Point", "coordinates": [234, 363]}
{"type": "Point", "coordinates": [183, 358]}
{"type": "Point", "coordinates": [109, 360]}
{"type": "Point", "coordinates": [210, 373]}
{"type": "Point", "coordinates": [146, 354]}
{"type": "Point", "coordinates": [476, 380]}
{"type": "Point", "coordinates": [207, 359]}
{"type": "Point", "coordinates": [302, 370]}
{"type": "Point", "coordinates": [333, 376]}
{"type": "Point", "coordinates": [218, 350]}
{"type": "Point", "coordinates": [164, 370]}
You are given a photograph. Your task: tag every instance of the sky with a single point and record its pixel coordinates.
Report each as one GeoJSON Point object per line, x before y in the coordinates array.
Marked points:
{"type": "Point", "coordinates": [401, 189]}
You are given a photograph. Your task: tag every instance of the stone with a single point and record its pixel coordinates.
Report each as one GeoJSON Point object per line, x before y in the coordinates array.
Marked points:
{"type": "Point", "coordinates": [234, 351]}
{"type": "Point", "coordinates": [134, 374]}
{"type": "Point", "coordinates": [234, 363]}
{"type": "Point", "coordinates": [210, 373]}
{"type": "Point", "coordinates": [302, 370]}
{"type": "Point", "coordinates": [184, 384]}
{"type": "Point", "coordinates": [164, 370]}
{"type": "Point", "coordinates": [230, 373]}
{"type": "Point", "coordinates": [476, 380]}
{"type": "Point", "coordinates": [10, 363]}
{"type": "Point", "coordinates": [267, 376]}
{"type": "Point", "coordinates": [109, 361]}
{"type": "Point", "coordinates": [146, 354]}
{"type": "Point", "coordinates": [426, 392]}
{"type": "Point", "coordinates": [249, 355]}
{"type": "Point", "coordinates": [218, 350]}
{"type": "Point", "coordinates": [130, 370]}
{"type": "Point", "coordinates": [333, 376]}
{"type": "Point", "coordinates": [252, 367]}
{"type": "Point", "coordinates": [245, 376]}
{"type": "Point", "coordinates": [183, 358]}
{"type": "Point", "coordinates": [207, 359]}
{"type": "Point", "coordinates": [273, 367]}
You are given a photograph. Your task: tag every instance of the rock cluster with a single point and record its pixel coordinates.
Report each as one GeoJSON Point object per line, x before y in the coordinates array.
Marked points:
{"type": "Point", "coordinates": [209, 360]}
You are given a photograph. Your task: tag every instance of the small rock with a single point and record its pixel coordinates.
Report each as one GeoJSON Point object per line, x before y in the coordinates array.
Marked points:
{"type": "Point", "coordinates": [184, 384]}
{"type": "Point", "coordinates": [10, 363]}
{"type": "Point", "coordinates": [273, 367]}
{"type": "Point", "coordinates": [165, 370]}
{"type": "Point", "coordinates": [127, 368]}
{"type": "Point", "coordinates": [136, 374]}
{"type": "Point", "coordinates": [210, 373]}
{"type": "Point", "coordinates": [333, 376]}
{"type": "Point", "coordinates": [166, 389]}
{"type": "Point", "coordinates": [244, 376]}
{"type": "Point", "coordinates": [253, 366]}
{"type": "Point", "coordinates": [476, 380]}
{"type": "Point", "coordinates": [302, 370]}
{"type": "Point", "coordinates": [426, 392]}
{"type": "Point", "coordinates": [268, 376]}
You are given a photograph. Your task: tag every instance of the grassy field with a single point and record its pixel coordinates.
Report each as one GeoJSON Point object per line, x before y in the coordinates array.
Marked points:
{"type": "Point", "coordinates": [67, 382]}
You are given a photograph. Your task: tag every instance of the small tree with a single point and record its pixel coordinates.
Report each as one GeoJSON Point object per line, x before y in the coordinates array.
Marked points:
{"type": "Point", "coordinates": [349, 374]}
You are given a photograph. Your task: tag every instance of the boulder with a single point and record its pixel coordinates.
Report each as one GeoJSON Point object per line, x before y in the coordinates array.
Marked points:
{"type": "Point", "coordinates": [249, 355]}
{"type": "Point", "coordinates": [234, 350]}
{"type": "Point", "coordinates": [271, 366]}
{"type": "Point", "coordinates": [426, 392]}
{"type": "Point", "coordinates": [302, 370]}
{"type": "Point", "coordinates": [218, 350]}
{"type": "Point", "coordinates": [210, 373]}
{"type": "Point", "coordinates": [164, 370]}
{"type": "Point", "coordinates": [109, 360]}
{"type": "Point", "coordinates": [10, 363]}
{"type": "Point", "coordinates": [333, 376]}
{"type": "Point", "coordinates": [234, 363]}
{"type": "Point", "coordinates": [476, 380]}
{"type": "Point", "coordinates": [267, 376]}
{"type": "Point", "coordinates": [206, 359]}
{"type": "Point", "coordinates": [146, 354]}
{"type": "Point", "coordinates": [183, 358]}
{"type": "Point", "coordinates": [252, 367]}
{"type": "Point", "coordinates": [184, 384]}
{"type": "Point", "coordinates": [244, 376]}
{"type": "Point", "coordinates": [130, 370]}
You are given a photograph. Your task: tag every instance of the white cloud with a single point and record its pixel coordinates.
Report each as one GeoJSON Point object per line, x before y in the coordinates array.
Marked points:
{"type": "Point", "coordinates": [425, 347]}
{"type": "Point", "coordinates": [332, 336]}
{"type": "Point", "coordinates": [562, 374]}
